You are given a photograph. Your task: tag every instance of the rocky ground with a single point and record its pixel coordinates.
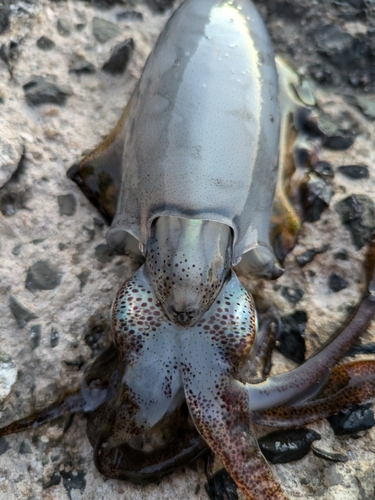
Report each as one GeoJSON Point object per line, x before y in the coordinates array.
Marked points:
{"type": "Point", "coordinates": [63, 85]}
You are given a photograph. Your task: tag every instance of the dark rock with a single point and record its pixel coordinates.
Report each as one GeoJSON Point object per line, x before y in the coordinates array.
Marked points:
{"type": "Point", "coordinates": [309, 255]}
{"type": "Point", "coordinates": [353, 421]}
{"type": "Point", "coordinates": [357, 213]}
{"type": "Point", "coordinates": [361, 349]}
{"type": "Point", "coordinates": [42, 276]}
{"type": "Point", "coordinates": [341, 255]}
{"type": "Point", "coordinates": [315, 197]}
{"type": "Point", "coordinates": [17, 250]}
{"type": "Point", "coordinates": [338, 142]}
{"type": "Point", "coordinates": [75, 363]}
{"type": "Point", "coordinates": [55, 338]}
{"type": "Point", "coordinates": [13, 200]}
{"type": "Point", "coordinates": [120, 57]}
{"type": "Point", "coordinates": [104, 253]}
{"type": "Point", "coordinates": [129, 15]}
{"type": "Point", "coordinates": [35, 336]}
{"type": "Point", "coordinates": [354, 171]}
{"type": "Point", "coordinates": [292, 295]}
{"type": "Point", "coordinates": [67, 204]}
{"type": "Point", "coordinates": [104, 30]}
{"type": "Point", "coordinates": [83, 277]}
{"type": "Point", "coordinates": [64, 27]}
{"type": "Point", "coordinates": [74, 481]}
{"type": "Point", "coordinates": [20, 312]}
{"type": "Point", "coordinates": [4, 18]}
{"type": "Point", "coordinates": [62, 246]}
{"type": "Point", "coordinates": [221, 486]}
{"type": "Point", "coordinates": [9, 52]}
{"type": "Point", "coordinates": [285, 446]}
{"type": "Point", "coordinates": [90, 232]}
{"type": "Point", "coordinates": [324, 169]}
{"type": "Point", "coordinates": [356, 4]}
{"type": "Point", "coordinates": [40, 90]}
{"type": "Point", "coordinates": [45, 43]}
{"type": "Point", "coordinates": [291, 339]}
{"type": "Point", "coordinates": [82, 67]}
{"type": "Point", "coordinates": [25, 448]}
{"type": "Point", "coordinates": [80, 26]}
{"type": "Point", "coordinates": [320, 73]}
{"type": "Point", "coordinates": [330, 457]}
{"type": "Point", "coordinates": [98, 222]}
{"type": "Point", "coordinates": [55, 479]}
{"type": "Point", "coordinates": [336, 283]}
{"type": "Point", "coordinates": [160, 5]}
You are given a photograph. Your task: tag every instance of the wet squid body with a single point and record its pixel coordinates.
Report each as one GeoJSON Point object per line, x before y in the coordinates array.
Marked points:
{"type": "Point", "coordinates": [189, 178]}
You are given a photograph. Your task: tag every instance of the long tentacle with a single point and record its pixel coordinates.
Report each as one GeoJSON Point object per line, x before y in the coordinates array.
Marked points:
{"type": "Point", "coordinates": [348, 385]}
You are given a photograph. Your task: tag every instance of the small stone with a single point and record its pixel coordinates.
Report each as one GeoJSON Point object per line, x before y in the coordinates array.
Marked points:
{"type": "Point", "coordinates": [120, 57]}
{"type": "Point", "coordinates": [329, 456]}
{"type": "Point", "coordinates": [64, 27]}
{"type": "Point", "coordinates": [74, 481]}
{"type": "Point", "coordinates": [354, 171]}
{"type": "Point", "coordinates": [55, 480]}
{"type": "Point", "coordinates": [341, 254]}
{"type": "Point", "coordinates": [104, 253]}
{"type": "Point", "coordinates": [292, 295]}
{"type": "Point", "coordinates": [306, 257]}
{"type": "Point", "coordinates": [104, 30]}
{"type": "Point", "coordinates": [291, 339]}
{"type": "Point", "coordinates": [336, 283]}
{"type": "Point", "coordinates": [42, 276]}
{"type": "Point", "coordinates": [221, 486]}
{"type": "Point", "coordinates": [17, 250]}
{"type": "Point", "coordinates": [21, 313]}
{"type": "Point", "coordinates": [357, 214]}
{"type": "Point", "coordinates": [323, 168]}
{"type": "Point", "coordinates": [353, 421]}
{"type": "Point", "coordinates": [4, 18]}
{"type": "Point", "coordinates": [40, 90]}
{"type": "Point", "coordinates": [90, 232]}
{"type": "Point", "coordinates": [8, 377]}
{"type": "Point", "coordinates": [330, 39]}
{"type": "Point", "coordinates": [67, 204]}
{"type": "Point", "coordinates": [82, 67]}
{"type": "Point", "coordinates": [45, 43]}
{"type": "Point", "coordinates": [35, 336]}
{"type": "Point", "coordinates": [98, 222]}
{"type": "Point", "coordinates": [9, 52]}
{"type": "Point", "coordinates": [11, 153]}
{"type": "Point", "coordinates": [55, 338]}
{"type": "Point", "coordinates": [129, 15]}
{"type": "Point", "coordinates": [285, 446]}
{"type": "Point", "coordinates": [338, 142]}
{"type": "Point", "coordinates": [316, 195]}
{"type": "Point", "coordinates": [62, 246]}
{"type": "Point", "coordinates": [356, 4]}
{"type": "Point", "coordinates": [25, 448]}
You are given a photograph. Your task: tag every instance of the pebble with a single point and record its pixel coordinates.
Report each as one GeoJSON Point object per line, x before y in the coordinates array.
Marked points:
{"type": "Point", "coordinates": [42, 276]}
{"type": "Point", "coordinates": [354, 171]}
{"type": "Point", "coordinates": [45, 43]}
{"type": "Point", "coordinates": [357, 214]}
{"type": "Point", "coordinates": [316, 196]}
{"type": "Point", "coordinates": [35, 336]}
{"type": "Point", "coordinates": [74, 481]}
{"type": "Point", "coordinates": [20, 312]}
{"type": "Point", "coordinates": [338, 142]}
{"type": "Point", "coordinates": [336, 283]}
{"type": "Point", "coordinates": [54, 338]}
{"type": "Point", "coordinates": [285, 446]}
{"type": "Point", "coordinates": [129, 15]}
{"type": "Point", "coordinates": [104, 30]}
{"type": "Point", "coordinates": [291, 339]}
{"type": "Point", "coordinates": [8, 377]}
{"type": "Point", "coordinates": [353, 421]}
{"type": "Point", "coordinates": [104, 253]}
{"type": "Point", "coordinates": [67, 204]}
{"type": "Point", "coordinates": [160, 5]}
{"type": "Point", "coordinates": [41, 90]}
{"type": "Point", "coordinates": [307, 256]}
{"type": "Point", "coordinates": [327, 455]}
{"type": "Point", "coordinates": [4, 18]}
{"type": "Point", "coordinates": [4, 445]}
{"type": "Point", "coordinates": [11, 152]}
{"type": "Point", "coordinates": [82, 67]}
{"type": "Point", "coordinates": [323, 168]}
{"type": "Point", "coordinates": [64, 27]}
{"type": "Point", "coordinates": [292, 295]}
{"type": "Point", "coordinates": [120, 57]}
{"type": "Point", "coordinates": [54, 481]}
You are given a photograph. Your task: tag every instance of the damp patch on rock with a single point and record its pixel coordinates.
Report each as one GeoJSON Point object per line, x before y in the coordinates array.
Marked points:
{"type": "Point", "coordinates": [40, 90]}
{"type": "Point", "coordinates": [285, 446]}
{"type": "Point", "coordinates": [42, 276]}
